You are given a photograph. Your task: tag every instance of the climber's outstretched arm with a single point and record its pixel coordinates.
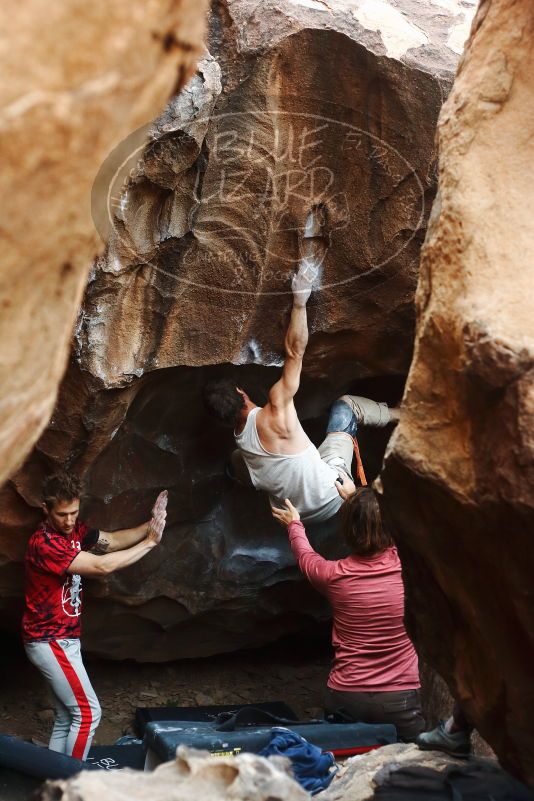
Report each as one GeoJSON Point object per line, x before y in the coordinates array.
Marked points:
{"type": "Point", "coordinates": [285, 389]}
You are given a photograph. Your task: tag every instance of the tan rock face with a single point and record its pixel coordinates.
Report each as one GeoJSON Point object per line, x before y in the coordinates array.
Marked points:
{"type": "Point", "coordinates": [205, 239]}
{"type": "Point", "coordinates": [459, 475]}
{"type": "Point", "coordinates": [193, 775]}
{"type": "Point", "coordinates": [76, 79]}
{"type": "Point", "coordinates": [195, 283]}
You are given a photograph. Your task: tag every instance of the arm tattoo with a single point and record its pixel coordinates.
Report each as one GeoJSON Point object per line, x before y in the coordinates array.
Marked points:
{"type": "Point", "coordinates": [101, 546]}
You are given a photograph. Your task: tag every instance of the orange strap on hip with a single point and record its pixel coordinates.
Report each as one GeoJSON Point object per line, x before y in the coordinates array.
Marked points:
{"type": "Point", "coordinates": [360, 472]}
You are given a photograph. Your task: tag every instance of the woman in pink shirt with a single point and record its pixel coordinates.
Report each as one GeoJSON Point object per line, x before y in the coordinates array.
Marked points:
{"type": "Point", "coordinates": [375, 675]}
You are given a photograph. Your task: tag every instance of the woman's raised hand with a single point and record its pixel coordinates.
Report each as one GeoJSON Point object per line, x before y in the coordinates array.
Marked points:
{"type": "Point", "coordinates": [287, 515]}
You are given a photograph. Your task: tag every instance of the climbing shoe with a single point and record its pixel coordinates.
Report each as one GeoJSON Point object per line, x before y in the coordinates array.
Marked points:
{"type": "Point", "coordinates": [457, 744]}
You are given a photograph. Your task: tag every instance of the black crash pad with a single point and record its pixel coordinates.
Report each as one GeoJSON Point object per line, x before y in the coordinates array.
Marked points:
{"type": "Point", "coordinates": [343, 739]}
{"type": "Point", "coordinates": [36, 761]}
{"type": "Point", "coordinates": [208, 714]}
{"type": "Point", "coordinates": [16, 786]}
{"type": "Point", "coordinates": [18, 757]}
{"type": "Point", "coordinates": [115, 757]}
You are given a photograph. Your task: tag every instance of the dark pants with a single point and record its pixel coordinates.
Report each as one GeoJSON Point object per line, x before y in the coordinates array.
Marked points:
{"type": "Point", "coordinates": [402, 708]}
{"type": "Point", "coordinates": [460, 721]}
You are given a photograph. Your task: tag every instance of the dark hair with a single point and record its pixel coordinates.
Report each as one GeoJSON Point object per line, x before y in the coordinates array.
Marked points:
{"type": "Point", "coordinates": [60, 487]}
{"type": "Point", "coordinates": [361, 524]}
{"type": "Point", "coordinates": [222, 399]}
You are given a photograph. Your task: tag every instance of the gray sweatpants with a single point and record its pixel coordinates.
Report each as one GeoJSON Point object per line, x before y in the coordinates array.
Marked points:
{"type": "Point", "coordinates": [77, 709]}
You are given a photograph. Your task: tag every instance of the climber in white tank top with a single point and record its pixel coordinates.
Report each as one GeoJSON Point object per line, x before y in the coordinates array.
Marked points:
{"type": "Point", "coordinates": [274, 452]}
{"type": "Point", "coordinates": [303, 475]}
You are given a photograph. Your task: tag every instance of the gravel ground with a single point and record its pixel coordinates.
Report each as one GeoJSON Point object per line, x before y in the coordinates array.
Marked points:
{"type": "Point", "coordinates": [294, 672]}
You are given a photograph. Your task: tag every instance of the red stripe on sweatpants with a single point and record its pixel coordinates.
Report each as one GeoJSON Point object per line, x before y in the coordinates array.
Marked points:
{"type": "Point", "coordinates": [80, 696]}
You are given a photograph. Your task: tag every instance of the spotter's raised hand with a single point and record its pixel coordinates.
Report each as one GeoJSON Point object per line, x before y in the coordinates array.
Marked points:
{"type": "Point", "coordinates": [287, 515]}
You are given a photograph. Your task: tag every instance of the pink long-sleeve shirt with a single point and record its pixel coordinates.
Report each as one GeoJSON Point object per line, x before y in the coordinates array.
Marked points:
{"type": "Point", "coordinates": [372, 651]}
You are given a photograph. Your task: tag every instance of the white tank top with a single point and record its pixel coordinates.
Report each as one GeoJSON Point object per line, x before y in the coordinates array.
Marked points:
{"type": "Point", "coordinates": [302, 477]}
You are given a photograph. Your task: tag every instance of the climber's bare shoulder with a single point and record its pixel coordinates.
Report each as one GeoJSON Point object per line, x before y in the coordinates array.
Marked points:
{"type": "Point", "coordinates": [279, 429]}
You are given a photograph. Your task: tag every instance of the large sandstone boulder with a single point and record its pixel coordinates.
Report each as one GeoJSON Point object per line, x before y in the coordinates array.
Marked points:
{"type": "Point", "coordinates": [459, 476]}
{"type": "Point", "coordinates": [203, 239]}
{"type": "Point", "coordinates": [76, 78]}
